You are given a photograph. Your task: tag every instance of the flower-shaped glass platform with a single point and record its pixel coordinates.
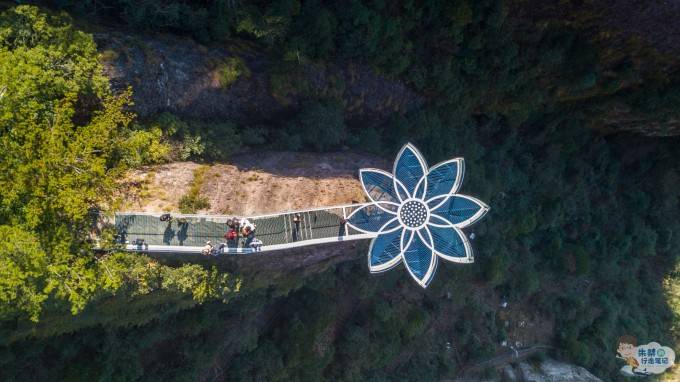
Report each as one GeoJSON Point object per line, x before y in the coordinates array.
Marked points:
{"type": "Point", "coordinates": [417, 215]}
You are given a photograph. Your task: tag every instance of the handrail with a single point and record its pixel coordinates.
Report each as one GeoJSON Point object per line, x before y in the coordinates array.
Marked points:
{"type": "Point", "coordinates": [305, 234]}
{"type": "Point", "coordinates": [239, 250]}
{"type": "Point", "coordinates": [219, 216]}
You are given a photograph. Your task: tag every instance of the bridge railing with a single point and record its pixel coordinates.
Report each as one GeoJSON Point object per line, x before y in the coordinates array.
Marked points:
{"type": "Point", "coordinates": [188, 233]}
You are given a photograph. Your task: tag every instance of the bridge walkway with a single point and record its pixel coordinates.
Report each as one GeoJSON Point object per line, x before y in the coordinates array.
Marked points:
{"type": "Point", "coordinates": [144, 231]}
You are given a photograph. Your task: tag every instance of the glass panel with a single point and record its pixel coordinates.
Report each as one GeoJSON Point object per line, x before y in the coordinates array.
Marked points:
{"type": "Point", "coordinates": [409, 169]}
{"type": "Point", "coordinates": [385, 248]}
{"type": "Point", "coordinates": [456, 209]}
{"type": "Point", "coordinates": [370, 218]}
{"type": "Point", "coordinates": [418, 257]}
{"type": "Point", "coordinates": [379, 186]}
{"type": "Point", "coordinates": [448, 242]}
{"type": "Point", "coordinates": [440, 179]}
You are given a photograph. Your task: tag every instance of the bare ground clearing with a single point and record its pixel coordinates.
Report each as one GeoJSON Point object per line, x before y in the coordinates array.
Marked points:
{"type": "Point", "coordinates": [253, 183]}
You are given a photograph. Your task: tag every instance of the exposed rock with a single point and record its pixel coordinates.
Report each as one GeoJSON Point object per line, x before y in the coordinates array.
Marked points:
{"type": "Point", "coordinates": [180, 76]}
{"type": "Point", "coordinates": [554, 371]}
{"type": "Point", "coordinates": [651, 37]}
{"type": "Point", "coordinates": [548, 370]}
{"type": "Point", "coordinates": [621, 119]}
{"type": "Point", "coordinates": [508, 373]}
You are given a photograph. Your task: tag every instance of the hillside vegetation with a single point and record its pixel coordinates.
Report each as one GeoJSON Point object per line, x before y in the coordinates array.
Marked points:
{"type": "Point", "coordinates": [581, 239]}
{"type": "Point", "coordinates": [65, 140]}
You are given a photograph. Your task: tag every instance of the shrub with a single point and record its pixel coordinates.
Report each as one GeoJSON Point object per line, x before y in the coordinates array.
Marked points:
{"type": "Point", "coordinates": [145, 147]}
{"type": "Point", "coordinates": [191, 147]}
{"type": "Point", "coordinates": [193, 201]}
{"type": "Point", "coordinates": [201, 140]}
{"type": "Point", "coordinates": [367, 139]}
{"type": "Point", "coordinates": [218, 141]}
{"type": "Point", "coordinates": [230, 70]}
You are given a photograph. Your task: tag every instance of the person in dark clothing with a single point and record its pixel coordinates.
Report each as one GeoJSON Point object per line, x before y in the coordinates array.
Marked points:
{"type": "Point", "coordinates": [341, 230]}
{"type": "Point", "coordinates": [297, 219]}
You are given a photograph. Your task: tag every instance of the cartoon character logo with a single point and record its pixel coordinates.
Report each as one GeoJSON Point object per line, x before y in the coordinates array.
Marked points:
{"type": "Point", "coordinates": [644, 360]}
{"type": "Point", "coordinates": [627, 351]}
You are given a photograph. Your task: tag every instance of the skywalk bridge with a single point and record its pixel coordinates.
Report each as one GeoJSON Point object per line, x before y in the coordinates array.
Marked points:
{"type": "Point", "coordinates": [415, 217]}
{"type": "Point", "coordinates": [188, 233]}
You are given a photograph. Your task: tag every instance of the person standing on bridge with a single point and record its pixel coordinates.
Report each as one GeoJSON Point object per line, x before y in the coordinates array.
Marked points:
{"type": "Point", "coordinates": [207, 249]}
{"type": "Point", "coordinates": [247, 227]}
{"type": "Point", "coordinates": [341, 231]}
{"type": "Point", "coordinates": [235, 224]}
{"type": "Point", "coordinates": [297, 219]}
{"type": "Point", "coordinates": [231, 235]}
{"type": "Point", "coordinates": [256, 244]}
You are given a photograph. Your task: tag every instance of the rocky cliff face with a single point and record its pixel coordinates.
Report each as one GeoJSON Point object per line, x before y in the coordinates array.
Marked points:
{"type": "Point", "coordinates": [547, 370]}
{"type": "Point", "coordinates": [174, 74]}
{"type": "Point", "coordinates": [180, 76]}
{"type": "Point", "coordinates": [253, 183]}
{"type": "Point", "coordinates": [644, 35]}
{"type": "Point", "coordinates": [622, 119]}
{"type": "Point", "coordinates": [646, 30]}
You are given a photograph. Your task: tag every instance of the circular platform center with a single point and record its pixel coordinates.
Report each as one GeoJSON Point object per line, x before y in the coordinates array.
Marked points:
{"type": "Point", "coordinates": [413, 213]}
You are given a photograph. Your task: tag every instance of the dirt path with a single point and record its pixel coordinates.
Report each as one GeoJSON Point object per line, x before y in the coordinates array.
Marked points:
{"type": "Point", "coordinates": [254, 183]}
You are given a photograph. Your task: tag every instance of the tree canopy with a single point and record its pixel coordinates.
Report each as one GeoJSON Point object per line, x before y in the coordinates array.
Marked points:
{"type": "Point", "coordinates": [581, 234]}
{"type": "Point", "coordinates": [65, 141]}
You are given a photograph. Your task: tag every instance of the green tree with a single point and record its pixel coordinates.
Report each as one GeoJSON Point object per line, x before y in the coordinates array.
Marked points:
{"type": "Point", "coordinates": [22, 272]}
{"type": "Point", "coordinates": [61, 132]}
{"type": "Point", "coordinates": [65, 141]}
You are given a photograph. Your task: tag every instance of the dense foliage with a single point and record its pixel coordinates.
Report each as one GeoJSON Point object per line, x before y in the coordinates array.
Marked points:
{"type": "Point", "coordinates": [65, 141]}
{"type": "Point", "coordinates": [467, 54]}
{"type": "Point", "coordinates": [582, 231]}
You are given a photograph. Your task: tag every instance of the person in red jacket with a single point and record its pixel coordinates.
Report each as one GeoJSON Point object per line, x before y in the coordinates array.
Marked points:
{"type": "Point", "coordinates": [231, 235]}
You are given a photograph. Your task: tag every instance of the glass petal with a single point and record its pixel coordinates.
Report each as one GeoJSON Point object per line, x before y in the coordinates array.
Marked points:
{"type": "Point", "coordinates": [439, 221]}
{"type": "Point", "coordinates": [378, 185]}
{"type": "Point", "coordinates": [421, 188]}
{"type": "Point", "coordinates": [390, 226]}
{"type": "Point", "coordinates": [409, 168]}
{"type": "Point", "coordinates": [385, 251]}
{"type": "Point", "coordinates": [370, 218]}
{"type": "Point", "coordinates": [445, 178]}
{"type": "Point", "coordinates": [459, 210]}
{"type": "Point", "coordinates": [406, 238]}
{"type": "Point", "coordinates": [451, 244]}
{"type": "Point", "coordinates": [420, 260]}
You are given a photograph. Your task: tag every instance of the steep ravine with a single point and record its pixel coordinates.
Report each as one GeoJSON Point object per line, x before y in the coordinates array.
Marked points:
{"type": "Point", "coordinates": [276, 181]}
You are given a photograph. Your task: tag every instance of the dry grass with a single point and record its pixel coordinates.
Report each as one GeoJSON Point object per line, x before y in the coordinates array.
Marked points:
{"type": "Point", "coordinates": [192, 201]}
